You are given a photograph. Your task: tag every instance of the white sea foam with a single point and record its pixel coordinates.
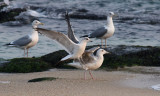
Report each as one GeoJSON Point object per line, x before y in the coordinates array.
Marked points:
{"type": "Point", "coordinates": [156, 87]}
{"type": "Point", "coordinates": [5, 82]}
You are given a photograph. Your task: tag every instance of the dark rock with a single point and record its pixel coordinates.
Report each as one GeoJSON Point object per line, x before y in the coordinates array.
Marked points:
{"type": "Point", "coordinates": [55, 57]}
{"type": "Point", "coordinates": [143, 56]}
{"type": "Point", "coordinates": [79, 15]}
{"type": "Point", "coordinates": [2, 5]}
{"type": "Point", "coordinates": [10, 15]}
{"type": "Point", "coordinates": [2, 63]}
{"type": "Point", "coordinates": [24, 65]}
{"type": "Point", "coordinates": [120, 57]}
{"type": "Point", "coordinates": [82, 10]}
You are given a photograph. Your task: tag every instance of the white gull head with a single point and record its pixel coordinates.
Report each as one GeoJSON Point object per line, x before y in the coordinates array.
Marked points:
{"type": "Point", "coordinates": [102, 51]}
{"type": "Point", "coordinates": [85, 39]}
{"type": "Point", "coordinates": [111, 14]}
{"type": "Point", "coordinates": [36, 23]}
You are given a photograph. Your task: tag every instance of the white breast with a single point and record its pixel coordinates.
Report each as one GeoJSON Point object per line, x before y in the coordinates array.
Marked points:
{"type": "Point", "coordinates": [79, 49]}
{"type": "Point", "coordinates": [110, 32]}
{"type": "Point", "coordinates": [95, 64]}
{"type": "Point", "coordinates": [35, 38]}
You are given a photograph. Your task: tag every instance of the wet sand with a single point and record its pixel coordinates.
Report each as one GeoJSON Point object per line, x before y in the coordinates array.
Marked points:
{"type": "Point", "coordinates": [71, 83]}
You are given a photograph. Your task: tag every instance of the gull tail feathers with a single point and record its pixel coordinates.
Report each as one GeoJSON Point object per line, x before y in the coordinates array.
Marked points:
{"type": "Point", "coordinates": [66, 58]}
{"type": "Point", "coordinates": [9, 44]}
{"type": "Point", "coordinates": [76, 65]}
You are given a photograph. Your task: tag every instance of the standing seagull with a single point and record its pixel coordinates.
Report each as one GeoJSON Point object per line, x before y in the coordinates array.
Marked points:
{"type": "Point", "coordinates": [27, 41]}
{"type": "Point", "coordinates": [105, 31]}
{"type": "Point", "coordinates": [88, 61]}
{"type": "Point", "coordinates": [75, 50]}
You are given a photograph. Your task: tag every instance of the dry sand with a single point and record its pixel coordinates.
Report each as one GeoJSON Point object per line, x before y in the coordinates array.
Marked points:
{"type": "Point", "coordinates": [70, 83]}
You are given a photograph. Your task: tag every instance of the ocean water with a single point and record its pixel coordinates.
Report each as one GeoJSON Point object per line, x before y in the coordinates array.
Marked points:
{"type": "Point", "coordinates": [156, 87]}
{"type": "Point", "coordinates": [137, 23]}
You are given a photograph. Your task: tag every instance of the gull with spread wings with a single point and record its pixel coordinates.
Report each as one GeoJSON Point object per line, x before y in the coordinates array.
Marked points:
{"type": "Point", "coordinates": [75, 50]}
{"type": "Point", "coordinates": [88, 61]}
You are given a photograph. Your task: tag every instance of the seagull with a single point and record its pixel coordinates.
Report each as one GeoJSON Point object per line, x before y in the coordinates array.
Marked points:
{"type": "Point", "coordinates": [105, 31]}
{"type": "Point", "coordinates": [33, 12]}
{"type": "Point", "coordinates": [6, 2]}
{"type": "Point", "coordinates": [75, 50]}
{"type": "Point", "coordinates": [88, 61]}
{"type": "Point", "coordinates": [29, 40]}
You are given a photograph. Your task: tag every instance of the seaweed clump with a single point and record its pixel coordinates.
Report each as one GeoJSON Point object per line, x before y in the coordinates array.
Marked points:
{"type": "Point", "coordinates": [25, 65]}
{"type": "Point", "coordinates": [42, 79]}
{"type": "Point", "coordinates": [148, 57]}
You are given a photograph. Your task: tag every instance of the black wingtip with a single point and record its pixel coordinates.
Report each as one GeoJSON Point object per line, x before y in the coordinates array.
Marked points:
{"type": "Point", "coordinates": [66, 15]}
{"type": "Point", "coordinates": [8, 44]}
{"type": "Point", "coordinates": [84, 36]}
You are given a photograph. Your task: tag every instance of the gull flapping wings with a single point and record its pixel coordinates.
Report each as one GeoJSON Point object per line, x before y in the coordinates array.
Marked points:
{"type": "Point", "coordinates": [70, 30]}
{"type": "Point", "coordinates": [60, 38]}
{"type": "Point", "coordinates": [88, 56]}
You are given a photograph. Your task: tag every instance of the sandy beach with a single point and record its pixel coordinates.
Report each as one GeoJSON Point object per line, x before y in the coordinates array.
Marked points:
{"type": "Point", "coordinates": [71, 83]}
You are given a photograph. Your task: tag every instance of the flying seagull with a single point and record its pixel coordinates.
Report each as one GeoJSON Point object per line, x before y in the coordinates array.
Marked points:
{"type": "Point", "coordinates": [88, 61]}
{"type": "Point", "coordinates": [75, 50]}
{"type": "Point", "coordinates": [105, 31]}
{"type": "Point", "coordinates": [29, 40]}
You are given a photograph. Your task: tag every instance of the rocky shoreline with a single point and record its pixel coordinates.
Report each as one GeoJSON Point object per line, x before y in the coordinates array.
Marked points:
{"type": "Point", "coordinates": [10, 15]}
{"type": "Point", "coordinates": [120, 58]}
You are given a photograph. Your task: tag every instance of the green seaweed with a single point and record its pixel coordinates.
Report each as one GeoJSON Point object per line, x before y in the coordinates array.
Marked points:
{"type": "Point", "coordinates": [25, 65]}
{"type": "Point", "coordinates": [149, 57]}
{"type": "Point", "coordinates": [42, 79]}
{"type": "Point", "coordinates": [10, 16]}
{"type": "Point", "coordinates": [145, 56]}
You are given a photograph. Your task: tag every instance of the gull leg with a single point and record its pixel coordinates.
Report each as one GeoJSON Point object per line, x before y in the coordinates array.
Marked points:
{"type": "Point", "coordinates": [105, 43]}
{"type": "Point", "coordinates": [85, 75]}
{"type": "Point", "coordinates": [24, 52]}
{"type": "Point", "coordinates": [91, 74]}
{"type": "Point", "coordinates": [27, 52]}
{"type": "Point", "coordinates": [101, 43]}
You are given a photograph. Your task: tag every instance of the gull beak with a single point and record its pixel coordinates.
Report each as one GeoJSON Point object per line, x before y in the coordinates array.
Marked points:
{"type": "Point", "coordinates": [107, 52]}
{"type": "Point", "coordinates": [115, 15]}
{"type": "Point", "coordinates": [90, 40]}
{"type": "Point", "coordinates": [41, 23]}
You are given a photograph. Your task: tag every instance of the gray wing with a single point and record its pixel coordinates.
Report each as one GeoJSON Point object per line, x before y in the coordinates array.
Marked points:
{"type": "Point", "coordinates": [98, 33]}
{"type": "Point", "coordinates": [60, 38]}
{"type": "Point", "coordinates": [22, 41]}
{"type": "Point", "coordinates": [92, 50]}
{"type": "Point", "coordinates": [88, 56]}
{"type": "Point", "coordinates": [70, 31]}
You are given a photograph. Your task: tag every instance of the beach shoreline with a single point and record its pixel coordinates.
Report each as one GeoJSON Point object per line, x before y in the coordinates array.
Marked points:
{"type": "Point", "coordinates": [71, 83]}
